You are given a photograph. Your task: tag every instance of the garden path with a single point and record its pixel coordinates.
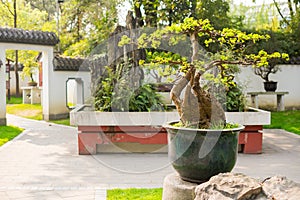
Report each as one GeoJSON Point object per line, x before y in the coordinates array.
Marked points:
{"type": "Point", "coordinates": [43, 163]}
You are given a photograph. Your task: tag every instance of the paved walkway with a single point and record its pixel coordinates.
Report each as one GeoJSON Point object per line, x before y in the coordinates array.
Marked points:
{"type": "Point", "coordinates": [43, 163]}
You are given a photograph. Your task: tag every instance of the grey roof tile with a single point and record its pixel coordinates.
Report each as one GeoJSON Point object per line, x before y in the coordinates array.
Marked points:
{"type": "Point", "coordinates": [13, 35]}
{"type": "Point", "coordinates": [79, 64]}
{"type": "Point", "coordinates": [70, 64]}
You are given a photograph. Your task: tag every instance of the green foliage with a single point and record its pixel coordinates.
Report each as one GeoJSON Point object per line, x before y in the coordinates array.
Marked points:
{"type": "Point", "coordinates": [104, 92]}
{"type": "Point", "coordinates": [145, 99]}
{"type": "Point", "coordinates": [215, 11]}
{"type": "Point", "coordinates": [85, 24]}
{"type": "Point", "coordinates": [270, 64]}
{"type": "Point", "coordinates": [115, 93]}
{"type": "Point", "coordinates": [7, 133]}
{"type": "Point", "coordinates": [27, 58]}
{"type": "Point", "coordinates": [231, 44]}
{"type": "Point", "coordinates": [162, 12]}
{"type": "Point", "coordinates": [235, 99]}
{"type": "Point", "coordinates": [134, 194]}
{"type": "Point", "coordinates": [155, 65]}
{"type": "Point", "coordinates": [48, 6]}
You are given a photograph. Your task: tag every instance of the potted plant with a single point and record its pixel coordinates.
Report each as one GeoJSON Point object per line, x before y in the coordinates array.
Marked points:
{"type": "Point", "coordinates": [271, 67]}
{"type": "Point", "coordinates": [30, 68]}
{"type": "Point", "coordinates": [202, 144]}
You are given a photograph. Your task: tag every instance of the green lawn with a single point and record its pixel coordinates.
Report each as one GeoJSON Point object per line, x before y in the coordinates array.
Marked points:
{"type": "Point", "coordinates": [65, 122]}
{"type": "Point", "coordinates": [14, 100]}
{"type": "Point", "coordinates": [26, 110]}
{"type": "Point", "coordinates": [31, 112]}
{"type": "Point", "coordinates": [287, 120]}
{"type": "Point", "coordinates": [131, 194]}
{"type": "Point", "coordinates": [7, 133]}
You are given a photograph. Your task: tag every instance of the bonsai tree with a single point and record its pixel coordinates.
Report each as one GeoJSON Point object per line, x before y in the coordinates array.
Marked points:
{"type": "Point", "coordinates": [29, 70]}
{"type": "Point", "coordinates": [271, 67]}
{"type": "Point", "coordinates": [30, 65]}
{"type": "Point", "coordinates": [198, 107]}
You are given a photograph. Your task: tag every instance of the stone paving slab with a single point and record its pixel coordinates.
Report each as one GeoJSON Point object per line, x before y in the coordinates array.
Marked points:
{"type": "Point", "coordinates": [43, 163]}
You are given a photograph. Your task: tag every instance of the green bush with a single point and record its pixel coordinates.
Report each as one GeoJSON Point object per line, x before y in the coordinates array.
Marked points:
{"type": "Point", "coordinates": [115, 93]}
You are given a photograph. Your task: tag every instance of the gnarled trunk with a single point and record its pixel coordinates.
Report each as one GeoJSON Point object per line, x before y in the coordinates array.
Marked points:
{"type": "Point", "coordinates": [198, 107]}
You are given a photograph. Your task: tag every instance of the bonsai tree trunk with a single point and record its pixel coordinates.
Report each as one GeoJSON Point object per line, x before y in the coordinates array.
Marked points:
{"type": "Point", "coordinates": [198, 107]}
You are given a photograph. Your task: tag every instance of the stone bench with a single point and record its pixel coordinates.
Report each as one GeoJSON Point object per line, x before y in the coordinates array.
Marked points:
{"type": "Point", "coordinates": [280, 99]}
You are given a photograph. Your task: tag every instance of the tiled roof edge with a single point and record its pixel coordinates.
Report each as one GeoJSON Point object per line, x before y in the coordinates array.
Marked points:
{"type": "Point", "coordinates": [13, 35]}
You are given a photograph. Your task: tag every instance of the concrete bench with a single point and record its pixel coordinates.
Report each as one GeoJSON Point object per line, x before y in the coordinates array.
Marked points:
{"type": "Point", "coordinates": [280, 100]}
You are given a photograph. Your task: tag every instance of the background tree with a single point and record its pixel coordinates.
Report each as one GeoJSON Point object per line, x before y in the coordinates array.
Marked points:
{"type": "Point", "coordinates": [166, 12]}
{"type": "Point", "coordinates": [12, 11]}
{"type": "Point", "coordinates": [19, 14]}
{"type": "Point", "coordinates": [85, 24]}
{"type": "Point", "coordinates": [48, 6]}
{"type": "Point", "coordinates": [198, 106]}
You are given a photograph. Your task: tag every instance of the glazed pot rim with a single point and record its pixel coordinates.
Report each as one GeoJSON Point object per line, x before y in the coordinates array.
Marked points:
{"type": "Point", "coordinates": [168, 125]}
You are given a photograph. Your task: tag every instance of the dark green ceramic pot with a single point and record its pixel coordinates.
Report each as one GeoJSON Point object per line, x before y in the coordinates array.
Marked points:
{"type": "Point", "coordinates": [198, 154]}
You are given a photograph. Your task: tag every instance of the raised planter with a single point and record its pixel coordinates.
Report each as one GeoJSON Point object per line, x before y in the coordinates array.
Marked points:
{"type": "Point", "coordinates": [102, 132]}
{"type": "Point", "coordinates": [251, 138]}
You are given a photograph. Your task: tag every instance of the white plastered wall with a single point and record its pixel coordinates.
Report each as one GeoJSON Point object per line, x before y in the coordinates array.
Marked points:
{"type": "Point", "coordinates": [288, 81]}
{"type": "Point", "coordinates": [54, 82]}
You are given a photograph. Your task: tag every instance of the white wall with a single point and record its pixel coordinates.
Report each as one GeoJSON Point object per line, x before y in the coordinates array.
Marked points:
{"type": "Point", "coordinates": [23, 83]}
{"type": "Point", "coordinates": [59, 84]}
{"type": "Point", "coordinates": [288, 80]}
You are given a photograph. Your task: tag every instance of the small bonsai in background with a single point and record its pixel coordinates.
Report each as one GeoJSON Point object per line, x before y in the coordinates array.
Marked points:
{"type": "Point", "coordinates": [29, 70]}
{"type": "Point", "coordinates": [31, 67]}
{"type": "Point", "coordinates": [271, 67]}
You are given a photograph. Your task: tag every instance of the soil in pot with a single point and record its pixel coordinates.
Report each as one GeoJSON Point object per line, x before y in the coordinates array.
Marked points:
{"type": "Point", "coordinates": [198, 154]}
{"type": "Point", "coordinates": [270, 86]}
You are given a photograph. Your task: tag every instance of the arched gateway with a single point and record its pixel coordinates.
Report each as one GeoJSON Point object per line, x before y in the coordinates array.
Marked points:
{"type": "Point", "coordinates": [17, 39]}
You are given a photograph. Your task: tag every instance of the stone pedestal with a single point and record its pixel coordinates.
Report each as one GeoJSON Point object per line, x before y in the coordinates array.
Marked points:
{"type": "Point", "coordinates": [31, 95]}
{"type": "Point", "coordinates": [176, 189]}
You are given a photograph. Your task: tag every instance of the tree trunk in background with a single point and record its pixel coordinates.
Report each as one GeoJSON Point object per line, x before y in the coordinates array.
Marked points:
{"type": "Point", "coordinates": [138, 13]}
{"type": "Point", "coordinates": [151, 13]}
{"type": "Point", "coordinates": [291, 9]}
{"type": "Point", "coordinates": [16, 53]}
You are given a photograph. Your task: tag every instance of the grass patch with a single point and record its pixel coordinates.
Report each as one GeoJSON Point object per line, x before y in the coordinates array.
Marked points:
{"type": "Point", "coordinates": [30, 111]}
{"type": "Point", "coordinates": [65, 122]}
{"type": "Point", "coordinates": [130, 194]}
{"type": "Point", "coordinates": [287, 120]}
{"type": "Point", "coordinates": [14, 100]}
{"type": "Point", "coordinates": [7, 133]}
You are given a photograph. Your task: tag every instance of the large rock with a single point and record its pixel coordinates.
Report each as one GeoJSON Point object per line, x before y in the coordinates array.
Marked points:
{"type": "Point", "coordinates": [281, 188]}
{"type": "Point", "coordinates": [230, 186]}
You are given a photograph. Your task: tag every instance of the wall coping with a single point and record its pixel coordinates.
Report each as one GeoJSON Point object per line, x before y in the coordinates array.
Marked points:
{"type": "Point", "coordinates": [81, 117]}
